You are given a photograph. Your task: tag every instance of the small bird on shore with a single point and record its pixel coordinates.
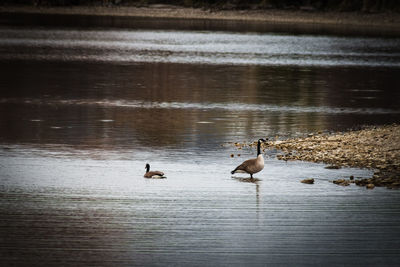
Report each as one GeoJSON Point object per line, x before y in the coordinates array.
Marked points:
{"type": "Point", "coordinates": [252, 166]}
{"type": "Point", "coordinates": [153, 174]}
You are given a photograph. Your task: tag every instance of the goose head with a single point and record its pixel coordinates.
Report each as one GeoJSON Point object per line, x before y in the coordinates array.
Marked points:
{"type": "Point", "coordinates": [259, 145]}
{"type": "Point", "coordinates": [147, 167]}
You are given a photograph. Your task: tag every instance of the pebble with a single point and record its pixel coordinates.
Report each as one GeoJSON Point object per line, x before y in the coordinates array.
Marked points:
{"type": "Point", "coordinates": [370, 186]}
{"type": "Point", "coordinates": [308, 181]}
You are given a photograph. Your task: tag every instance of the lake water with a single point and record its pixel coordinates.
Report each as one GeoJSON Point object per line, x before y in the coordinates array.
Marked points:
{"type": "Point", "coordinates": [84, 108]}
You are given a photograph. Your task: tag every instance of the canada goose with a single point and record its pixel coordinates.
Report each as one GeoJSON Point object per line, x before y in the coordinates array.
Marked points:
{"type": "Point", "coordinates": [252, 166]}
{"type": "Point", "coordinates": [153, 174]}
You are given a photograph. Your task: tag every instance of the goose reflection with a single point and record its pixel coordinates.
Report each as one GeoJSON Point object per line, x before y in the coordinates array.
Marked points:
{"type": "Point", "coordinates": [255, 181]}
{"type": "Point", "coordinates": [247, 180]}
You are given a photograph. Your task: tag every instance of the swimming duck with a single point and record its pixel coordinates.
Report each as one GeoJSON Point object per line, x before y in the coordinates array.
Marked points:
{"type": "Point", "coordinates": [153, 174]}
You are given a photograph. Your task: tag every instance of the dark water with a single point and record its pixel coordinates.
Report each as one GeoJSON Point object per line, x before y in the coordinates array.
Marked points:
{"type": "Point", "coordinates": [83, 109]}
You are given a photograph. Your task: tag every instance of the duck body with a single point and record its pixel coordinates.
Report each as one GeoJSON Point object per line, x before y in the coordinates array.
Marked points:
{"type": "Point", "coordinates": [252, 166]}
{"type": "Point", "coordinates": [153, 174]}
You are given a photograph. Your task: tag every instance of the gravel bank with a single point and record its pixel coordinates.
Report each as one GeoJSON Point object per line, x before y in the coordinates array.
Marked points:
{"type": "Point", "coordinates": [375, 148]}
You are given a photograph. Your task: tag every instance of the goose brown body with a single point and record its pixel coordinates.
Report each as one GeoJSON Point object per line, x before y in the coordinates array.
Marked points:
{"type": "Point", "coordinates": [153, 174]}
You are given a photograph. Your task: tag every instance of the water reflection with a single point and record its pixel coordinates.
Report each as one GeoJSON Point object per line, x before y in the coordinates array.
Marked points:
{"type": "Point", "coordinates": [247, 180]}
{"type": "Point", "coordinates": [256, 182]}
{"type": "Point", "coordinates": [174, 105]}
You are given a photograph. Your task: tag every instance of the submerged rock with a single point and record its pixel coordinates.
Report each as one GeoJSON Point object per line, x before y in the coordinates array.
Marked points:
{"type": "Point", "coordinates": [308, 181]}
{"type": "Point", "coordinates": [341, 182]}
{"type": "Point", "coordinates": [333, 167]}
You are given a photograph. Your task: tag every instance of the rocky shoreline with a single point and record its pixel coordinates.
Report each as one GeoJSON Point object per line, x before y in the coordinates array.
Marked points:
{"type": "Point", "coordinates": [376, 148]}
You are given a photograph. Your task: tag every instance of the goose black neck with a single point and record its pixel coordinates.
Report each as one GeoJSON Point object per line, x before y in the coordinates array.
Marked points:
{"type": "Point", "coordinates": [258, 147]}
{"type": "Point", "coordinates": [147, 168]}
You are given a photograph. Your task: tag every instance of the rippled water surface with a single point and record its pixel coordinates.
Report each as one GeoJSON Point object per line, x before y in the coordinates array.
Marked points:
{"type": "Point", "coordinates": [199, 47]}
{"type": "Point", "coordinates": [83, 109]}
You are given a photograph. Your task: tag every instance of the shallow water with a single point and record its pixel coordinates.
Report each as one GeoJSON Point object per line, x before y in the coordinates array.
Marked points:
{"type": "Point", "coordinates": [83, 109]}
{"type": "Point", "coordinates": [58, 209]}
